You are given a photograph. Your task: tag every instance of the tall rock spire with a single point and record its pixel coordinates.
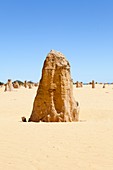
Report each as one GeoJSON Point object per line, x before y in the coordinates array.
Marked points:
{"type": "Point", "coordinates": [54, 101]}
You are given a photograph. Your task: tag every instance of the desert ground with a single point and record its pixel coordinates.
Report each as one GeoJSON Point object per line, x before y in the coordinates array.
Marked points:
{"type": "Point", "coordinates": [83, 145]}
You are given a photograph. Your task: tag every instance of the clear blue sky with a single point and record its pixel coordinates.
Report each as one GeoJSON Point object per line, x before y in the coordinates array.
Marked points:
{"type": "Point", "coordinates": [81, 29]}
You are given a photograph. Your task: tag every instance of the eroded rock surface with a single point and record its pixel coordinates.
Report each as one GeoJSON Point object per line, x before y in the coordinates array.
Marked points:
{"type": "Point", "coordinates": [8, 85]}
{"type": "Point", "coordinates": [93, 84]}
{"type": "Point", "coordinates": [16, 85]}
{"type": "Point", "coordinates": [54, 101]}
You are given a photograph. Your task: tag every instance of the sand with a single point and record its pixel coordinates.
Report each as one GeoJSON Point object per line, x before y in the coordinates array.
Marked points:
{"type": "Point", "coordinates": [84, 145]}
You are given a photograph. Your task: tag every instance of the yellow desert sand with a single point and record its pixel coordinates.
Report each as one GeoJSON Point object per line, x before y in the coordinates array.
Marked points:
{"type": "Point", "coordinates": [83, 145]}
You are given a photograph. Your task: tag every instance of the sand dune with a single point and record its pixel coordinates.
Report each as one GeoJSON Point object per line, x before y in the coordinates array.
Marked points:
{"type": "Point", "coordinates": [84, 145]}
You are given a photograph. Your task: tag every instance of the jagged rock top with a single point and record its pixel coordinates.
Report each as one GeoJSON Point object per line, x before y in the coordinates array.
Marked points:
{"type": "Point", "coordinates": [56, 59]}
{"type": "Point", "coordinates": [57, 53]}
